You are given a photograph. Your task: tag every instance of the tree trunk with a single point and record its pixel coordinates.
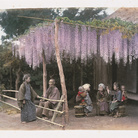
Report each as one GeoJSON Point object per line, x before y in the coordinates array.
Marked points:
{"type": "Point", "coordinates": [61, 73]}
{"type": "Point", "coordinates": [44, 74]}
{"type": "Point", "coordinates": [17, 80]}
{"type": "Point", "coordinates": [10, 78]}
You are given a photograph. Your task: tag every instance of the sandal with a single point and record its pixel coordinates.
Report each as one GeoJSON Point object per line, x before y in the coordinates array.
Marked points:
{"type": "Point", "coordinates": [24, 122]}
{"type": "Point", "coordinates": [46, 118]}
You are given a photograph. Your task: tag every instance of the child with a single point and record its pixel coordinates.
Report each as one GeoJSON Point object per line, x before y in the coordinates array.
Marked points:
{"type": "Point", "coordinates": [124, 94]}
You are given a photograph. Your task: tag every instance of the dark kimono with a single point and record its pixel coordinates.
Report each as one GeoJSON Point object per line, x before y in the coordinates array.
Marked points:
{"type": "Point", "coordinates": [102, 103]}
{"type": "Point", "coordinates": [28, 110]}
{"type": "Point", "coordinates": [117, 96]}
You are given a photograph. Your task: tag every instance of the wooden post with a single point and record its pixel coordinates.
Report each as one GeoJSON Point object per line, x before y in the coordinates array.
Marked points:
{"type": "Point", "coordinates": [63, 115]}
{"type": "Point", "coordinates": [57, 108]}
{"type": "Point", "coordinates": [61, 73]}
{"type": "Point", "coordinates": [44, 74]}
{"type": "Point", "coordinates": [17, 80]}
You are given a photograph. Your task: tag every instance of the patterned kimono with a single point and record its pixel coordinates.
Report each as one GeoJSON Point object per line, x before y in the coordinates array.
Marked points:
{"type": "Point", "coordinates": [117, 96]}
{"type": "Point", "coordinates": [88, 107]}
{"type": "Point", "coordinates": [102, 102]}
{"type": "Point", "coordinates": [84, 101]}
{"type": "Point", "coordinates": [28, 110]}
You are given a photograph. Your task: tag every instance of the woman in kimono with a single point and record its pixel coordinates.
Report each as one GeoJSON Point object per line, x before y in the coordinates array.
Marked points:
{"type": "Point", "coordinates": [80, 96]}
{"type": "Point", "coordinates": [25, 99]}
{"type": "Point", "coordinates": [88, 107]}
{"type": "Point", "coordinates": [102, 100]}
{"type": "Point", "coordinates": [116, 100]}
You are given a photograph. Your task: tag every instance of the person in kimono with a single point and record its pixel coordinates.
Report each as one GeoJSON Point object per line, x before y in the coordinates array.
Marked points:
{"type": "Point", "coordinates": [80, 96]}
{"type": "Point", "coordinates": [124, 94]}
{"type": "Point", "coordinates": [88, 107]}
{"type": "Point", "coordinates": [25, 99]}
{"type": "Point", "coordinates": [51, 93]}
{"type": "Point", "coordinates": [102, 100]}
{"type": "Point", "coordinates": [116, 100]}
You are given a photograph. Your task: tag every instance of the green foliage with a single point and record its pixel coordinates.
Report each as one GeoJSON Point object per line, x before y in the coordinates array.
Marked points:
{"type": "Point", "coordinates": [127, 28]}
{"type": "Point", "coordinates": [14, 26]}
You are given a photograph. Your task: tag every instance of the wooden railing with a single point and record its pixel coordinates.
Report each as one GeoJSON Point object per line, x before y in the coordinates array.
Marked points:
{"type": "Point", "coordinates": [56, 111]}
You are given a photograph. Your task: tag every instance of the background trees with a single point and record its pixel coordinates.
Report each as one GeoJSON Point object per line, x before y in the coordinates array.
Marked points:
{"type": "Point", "coordinates": [12, 68]}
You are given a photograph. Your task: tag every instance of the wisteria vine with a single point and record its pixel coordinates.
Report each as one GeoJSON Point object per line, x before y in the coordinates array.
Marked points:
{"type": "Point", "coordinates": [75, 42]}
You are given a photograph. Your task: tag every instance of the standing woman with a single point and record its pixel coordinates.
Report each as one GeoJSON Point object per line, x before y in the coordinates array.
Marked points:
{"type": "Point", "coordinates": [102, 100]}
{"type": "Point", "coordinates": [25, 99]}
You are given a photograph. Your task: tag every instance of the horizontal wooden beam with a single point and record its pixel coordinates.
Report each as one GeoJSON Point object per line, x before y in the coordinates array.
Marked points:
{"type": "Point", "coordinates": [52, 99]}
{"type": "Point", "coordinates": [50, 122]}
{"type": "Point", "coordinates": [10, 104]}
{"type": "Point", "coordinates": [37, 117]}
{"type": "Point", "coordinates": [40, 97]}
{"type": "Point", "coordinates": [61, 112]}
{"type": "Point", "coordinates": [104, 28]}
{"type": "Point", "coordinates": [10, 91]}
{"type": "Point", "coordinates": [8, 97]}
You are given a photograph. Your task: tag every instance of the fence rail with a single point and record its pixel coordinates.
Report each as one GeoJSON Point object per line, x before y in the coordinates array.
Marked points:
{"type": "Point", "coordinates": [40, 96]}
{"type": "Point", "coordinates": [55, 111]}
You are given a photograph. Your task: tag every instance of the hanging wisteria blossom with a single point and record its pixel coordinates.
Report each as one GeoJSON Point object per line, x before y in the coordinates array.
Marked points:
{"type": "Point", "coordinates": [75, 42]}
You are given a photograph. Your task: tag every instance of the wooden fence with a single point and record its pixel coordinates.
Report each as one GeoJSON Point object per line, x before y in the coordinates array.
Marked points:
{"type": "Point", "coordinates": [56, 110]}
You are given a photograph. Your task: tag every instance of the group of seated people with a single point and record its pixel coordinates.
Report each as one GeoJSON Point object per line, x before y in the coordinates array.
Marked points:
{"type": "Point", "coordinates": [107, 102]}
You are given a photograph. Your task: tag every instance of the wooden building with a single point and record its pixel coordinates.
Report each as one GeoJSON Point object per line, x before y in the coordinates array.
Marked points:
{"type": "Point", "coordinates": [125, 75]}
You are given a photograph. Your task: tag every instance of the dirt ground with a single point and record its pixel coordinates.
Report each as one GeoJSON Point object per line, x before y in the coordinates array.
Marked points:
{"type": "Point", "coordinates": [92, 122]}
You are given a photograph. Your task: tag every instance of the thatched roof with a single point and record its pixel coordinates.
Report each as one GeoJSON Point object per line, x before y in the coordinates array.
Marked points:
{"type": "Point", "coordinates": [126, 14]}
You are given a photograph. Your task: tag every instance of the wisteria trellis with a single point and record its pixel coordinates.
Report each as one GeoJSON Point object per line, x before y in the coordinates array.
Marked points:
{"type": "Point", "coordinates": [75, 41]}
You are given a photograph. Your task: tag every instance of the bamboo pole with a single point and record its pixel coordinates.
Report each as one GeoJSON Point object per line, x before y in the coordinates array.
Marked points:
{"type": "Point", "coordinates": [50, 122]}
{"type": "Point", "coordinates": [61, 73]}
{"type": "Point", "coordinates": [63, 115]}
{"type": "Point", "coordinates": [37, 117]}
{"type": "Point", "coordinates": [10, 91]}
{"type": "Point", "coordinates": [9, 104]}
{"type": "Point", "coordinates": [104, 28]}
{"type": "Point", "coordinates": [55, 112]}
{"type": "Point", "coordinates": [39, 96]}
{"type": "Point", "coordinates": [51, 99]}
{"type": "Point", "coordinates": [44, 74]}
{"type": "Point", "coordinates": [8, 97]}
{"type": "Point", "coordinates": [61, 112]}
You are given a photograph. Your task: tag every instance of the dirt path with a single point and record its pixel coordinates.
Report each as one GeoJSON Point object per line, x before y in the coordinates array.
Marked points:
{"type": "Point", "coordinates": [129, 122]}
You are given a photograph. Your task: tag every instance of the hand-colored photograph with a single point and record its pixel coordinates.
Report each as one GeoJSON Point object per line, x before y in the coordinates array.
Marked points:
{"type": "Point", "coordinates": [69, 68]}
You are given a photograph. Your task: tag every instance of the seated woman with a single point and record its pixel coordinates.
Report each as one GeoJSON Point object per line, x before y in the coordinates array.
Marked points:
{"type": "Point", "coordinates": [116, 100]}
{"type": "Point", "coordinates": [102, 100]}
{"type": "Point", "coordinates": [124, 95]}
{"type": "Point", "coordinates": [88, 107]}
{"type": "Point", "coordinates": [84, 99]}
{"type": "Point", "coordinates": [80, 96]}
